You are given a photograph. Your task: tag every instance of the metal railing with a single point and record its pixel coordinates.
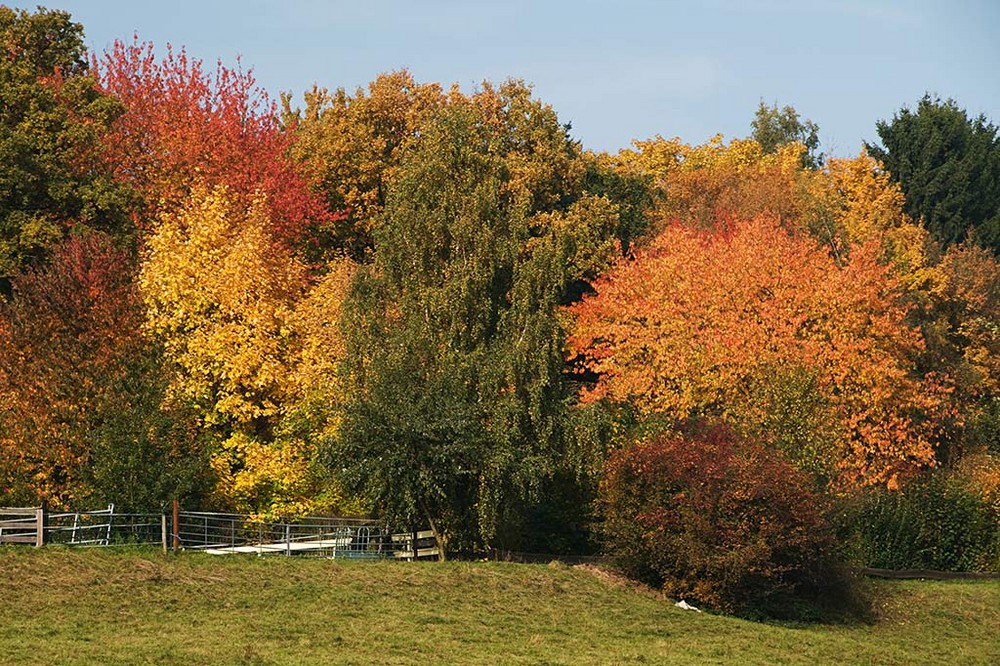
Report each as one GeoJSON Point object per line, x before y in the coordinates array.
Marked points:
{"type": "Point", "coordinates": [314, 536]}
{"type": "Point", "coordinates": [105, 527]}
{"type": "Point", "coordinates": [215, 533]}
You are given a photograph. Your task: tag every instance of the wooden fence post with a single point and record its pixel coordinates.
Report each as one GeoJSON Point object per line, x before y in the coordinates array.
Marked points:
{"type": "Point", "coordinates": [40, 526]}
{"type": "Point", "coordinates": [163, 531]}
{"type": "Point", "coordinates": [177, 534]}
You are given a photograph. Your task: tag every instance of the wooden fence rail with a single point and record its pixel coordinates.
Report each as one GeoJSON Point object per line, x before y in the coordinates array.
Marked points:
{"type": "Point", "coordinates": [22, 525]}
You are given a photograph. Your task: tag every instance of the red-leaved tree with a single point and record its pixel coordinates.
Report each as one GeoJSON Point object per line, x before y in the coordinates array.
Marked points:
{"type": "Point", "coordinates": [717, 520]}
{"type": "Point", "coordinates": [81, 389]}
{"type": "Point", "coordinates": [183, 125]}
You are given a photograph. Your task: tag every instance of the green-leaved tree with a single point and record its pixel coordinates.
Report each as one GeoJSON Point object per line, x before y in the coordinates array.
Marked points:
{"type": "Point", "coordinates": [773, 128]}
{"type": "Point", "coordinates": [52, 120]}
{"type": "Point", "coordinates": [454, 350]}
{"type": "Point", "coordinates": [948, 166]}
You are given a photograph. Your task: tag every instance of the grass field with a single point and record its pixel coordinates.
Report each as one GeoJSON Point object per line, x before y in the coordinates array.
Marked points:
{"type": "Point", "coordinates": [104, 607]}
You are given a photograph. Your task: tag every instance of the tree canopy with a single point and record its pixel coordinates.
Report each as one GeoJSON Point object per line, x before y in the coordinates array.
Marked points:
{"type": "Point", "coordinates": [52, 121]}
{"type": "Point", "coordinates": [763, 329]}
{"type": "Point", "coordinates": [433, 305]}
{"type": "Point", "coordinates": [454, 346]}
{"type": "Point", "coordinates": [773, 128]}
{"type": "Point", "coordinates": [948, 166]}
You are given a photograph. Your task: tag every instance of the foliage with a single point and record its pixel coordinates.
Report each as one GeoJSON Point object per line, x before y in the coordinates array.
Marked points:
{"type": "Point", "coordinates": [948, 166]}
{"type": "Point", "coordinates": [962, 328]}
{"type": "Point", "coordinates": [72, 357]}
{"type": "Point", "coordinates": [703, 185]}
{"type": "Point", "coordinates": [979, 473]}
{"type": "Point", "coordinates": [145, 451]}
{"type": "Point", "coordinates": [352, 144]}
{"type": "Point", "coordinates": [221, 293]}
{"type": "Point", "coordinates": [315, 383]}
{"type": "Point", "coordinates": [251, 351]}
{"type": "Point", "coordinates": [716, 520]}
{"type": "Point", "coordinates": [773, 128]}
{"type": "Point", "coordinates": [848, 201]}
{"type": "Point", "coordinates": [453, 346]}
{"type": "Point", "coordinates": [944, 521]}
{"type": "Point", "coordinates": [183, 128]}
{"type": "Point", "coordinates": [847, 204]}
{"type": "Point", "coordinates": [699, 321]}
{"type": "Point", "coordinates": [853, 201]}
{"type": "Point", "coordinates": [631, 191]}
{"type": "Point", "coordinates": [51, 124]}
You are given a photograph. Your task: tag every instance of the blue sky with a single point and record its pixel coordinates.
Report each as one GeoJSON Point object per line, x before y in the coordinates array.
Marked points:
{"type": "Point", "coordinates": [617, 70]}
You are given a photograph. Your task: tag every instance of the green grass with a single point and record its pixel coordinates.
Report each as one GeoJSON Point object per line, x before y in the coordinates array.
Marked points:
{"type": "Point", "coordinates": [62, 606]}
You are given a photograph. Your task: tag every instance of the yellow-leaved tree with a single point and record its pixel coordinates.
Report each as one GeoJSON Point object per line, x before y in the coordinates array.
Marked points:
{"type": "Point", "coordinates": [222, 294]}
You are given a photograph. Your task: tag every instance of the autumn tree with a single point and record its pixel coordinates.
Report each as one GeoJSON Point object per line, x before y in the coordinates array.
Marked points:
{"type": "Point", "coordinates": [853, 201]}
{"type": "Point", "coordinates": [760, 327]}
{"type": "Point", "coordinates": [773, 128]}
{"type": "Point", "coordinates": [960, 319]}
{"type": "Point", "coordinates": [184, 126]}
{"type": "Point", "coordinates": [721, 521]}
{"type": "Point", "coordinates": [846, 202]}
{"type": "Point", "coordinates": [82, 388]}
{"type": "Point", "coordinates": [948, 166]}
{"type": "Point", "coordinates": [51, 123]}
{"type": "Point", "coordinates": [221, 293]}
{"type": "Point", "coordinates": [702, 185]}
{"type": "Point", "coordinates": [350, 145]}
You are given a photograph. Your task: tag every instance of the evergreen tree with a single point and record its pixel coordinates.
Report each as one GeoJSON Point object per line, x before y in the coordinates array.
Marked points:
{"type": "Point", "coordinates": [948, 166]}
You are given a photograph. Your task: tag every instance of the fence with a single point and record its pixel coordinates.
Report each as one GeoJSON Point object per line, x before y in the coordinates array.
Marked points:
{"type": "Point", "coordinates": [22, 525]}
{"type": "Point", "coordinates": [215, 533]}
{"type": "Point", "coordinates": [220, 533]}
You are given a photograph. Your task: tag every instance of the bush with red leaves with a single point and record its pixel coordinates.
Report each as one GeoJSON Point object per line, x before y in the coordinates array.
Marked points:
{"type": "Point", "coordinates": [719, 521]}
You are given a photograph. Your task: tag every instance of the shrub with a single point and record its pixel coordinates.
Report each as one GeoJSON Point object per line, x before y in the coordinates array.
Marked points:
{"type": "Point", "coordinates": [721, 521]}
{"type": "Point", "coordinates": [943, 521]}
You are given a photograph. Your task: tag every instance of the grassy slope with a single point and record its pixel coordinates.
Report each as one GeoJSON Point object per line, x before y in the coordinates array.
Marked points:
{"type": "Point", "coordinates": [77, 607]}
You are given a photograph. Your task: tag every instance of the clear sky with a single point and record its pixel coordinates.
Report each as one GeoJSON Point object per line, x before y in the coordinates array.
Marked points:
{"type": "Point", "coordinates": [616, 70]}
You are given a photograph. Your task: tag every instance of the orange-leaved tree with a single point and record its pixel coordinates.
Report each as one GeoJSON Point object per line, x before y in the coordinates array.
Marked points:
{"type": "Point", "coordinates": [761, 327]}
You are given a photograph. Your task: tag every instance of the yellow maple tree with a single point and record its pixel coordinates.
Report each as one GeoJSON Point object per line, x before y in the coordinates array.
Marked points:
{"type": "Point", "coordinates": [247, 339]}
